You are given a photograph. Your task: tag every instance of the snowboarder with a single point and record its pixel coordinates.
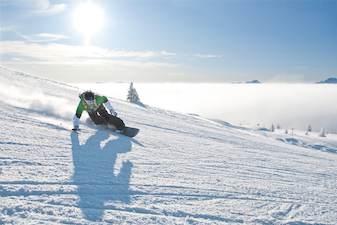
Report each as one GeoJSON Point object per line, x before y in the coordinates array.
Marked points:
{"type": "Point", "coordinates": [94, 105]}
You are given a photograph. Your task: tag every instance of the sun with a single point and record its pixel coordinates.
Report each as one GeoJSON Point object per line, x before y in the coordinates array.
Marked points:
{"type": "Point", "coordinates": [88, 19]}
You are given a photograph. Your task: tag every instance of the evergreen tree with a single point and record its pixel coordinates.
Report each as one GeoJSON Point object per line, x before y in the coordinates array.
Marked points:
{"type": "Point", "coordinates": [308, 130]}
{"type": "Point", "coordinates": [322, 133]}
{"type": "Point", "coordinates": [132, 94]}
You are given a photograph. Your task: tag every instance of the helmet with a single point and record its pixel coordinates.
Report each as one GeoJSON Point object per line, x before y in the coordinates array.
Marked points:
{"type": "Point", "coordinates": [89, 96]}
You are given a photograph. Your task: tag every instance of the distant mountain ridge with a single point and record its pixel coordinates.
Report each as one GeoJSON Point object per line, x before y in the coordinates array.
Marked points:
{"type": "Point", "coordinates": [253, 82]}
{"type": "Point", "coordinates": [330, 80]}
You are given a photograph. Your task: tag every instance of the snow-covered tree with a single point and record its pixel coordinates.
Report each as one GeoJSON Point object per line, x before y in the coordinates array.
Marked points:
{"type": "Point", "coordinates": [272, 128]}
{"type": "Point", "coordinates": [308, 130]}
{"type": "Point", "coordinates": [132, 94]}
{"type": "Point", "coordinates": [322, 133]}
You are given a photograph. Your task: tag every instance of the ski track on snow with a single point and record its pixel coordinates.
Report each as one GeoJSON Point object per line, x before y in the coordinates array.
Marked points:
{"type": "Point", "coordinates": [180, 169]}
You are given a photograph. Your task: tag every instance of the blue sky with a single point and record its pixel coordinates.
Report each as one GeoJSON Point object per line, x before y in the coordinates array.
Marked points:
{"type": "Point", "coordinates": [171, 41]}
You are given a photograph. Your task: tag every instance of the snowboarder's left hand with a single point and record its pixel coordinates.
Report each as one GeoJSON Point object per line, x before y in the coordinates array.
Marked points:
{"type": "Point", "coordinates": [113, 113]}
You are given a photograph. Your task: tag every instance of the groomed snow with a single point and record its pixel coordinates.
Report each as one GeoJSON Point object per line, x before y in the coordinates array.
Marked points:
{"type": "Point", "coordinates": [180, 168]}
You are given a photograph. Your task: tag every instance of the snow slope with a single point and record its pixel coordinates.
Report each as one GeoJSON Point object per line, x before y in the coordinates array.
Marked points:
{"type": "Point", "coordinates": [180, 169]}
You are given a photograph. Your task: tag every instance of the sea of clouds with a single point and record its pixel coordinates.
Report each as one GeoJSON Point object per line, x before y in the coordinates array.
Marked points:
{"type": "Point", "coordinates": [287, 105]}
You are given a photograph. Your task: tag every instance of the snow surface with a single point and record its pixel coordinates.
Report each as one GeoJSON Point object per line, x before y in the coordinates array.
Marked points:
{"type": "Point", "coordinates": [180, 168]}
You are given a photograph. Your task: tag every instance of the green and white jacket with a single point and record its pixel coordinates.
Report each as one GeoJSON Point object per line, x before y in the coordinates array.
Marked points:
{"type": "Point", "coordinates": [83, 106]}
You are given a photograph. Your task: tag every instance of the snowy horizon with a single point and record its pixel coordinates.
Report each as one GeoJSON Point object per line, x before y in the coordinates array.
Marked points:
{"type": "Point", "coordinates": [287, 105]}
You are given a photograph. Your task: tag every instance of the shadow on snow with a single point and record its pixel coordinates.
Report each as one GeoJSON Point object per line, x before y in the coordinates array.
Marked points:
{"type": "Point", "coordinates": [94, 172]}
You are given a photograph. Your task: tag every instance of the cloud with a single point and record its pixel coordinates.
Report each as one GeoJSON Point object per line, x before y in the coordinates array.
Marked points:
{"type": "Point", "coordinates": [38, 51]}
{"type": "Point", "coordinates": [133, 54]}
{"type": "Point", "coordinates": [45, 8]}
{"type": "Point", "coordinates": [208, 56]}
{"type": "Point", "coordinates": [18, 59]}
{"type": "Point", "coordinates": [6, 28]}
{"type": "Point", "coordinates": [84, 56]}
{"type": "Point", "coordinates": [81, 57]}
{"type": "Point", "coordinates": [44, 37]}
{"type": "Point", "coordinates": [38, 7]}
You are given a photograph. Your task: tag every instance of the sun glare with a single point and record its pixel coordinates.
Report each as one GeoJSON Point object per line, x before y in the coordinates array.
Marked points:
{"type": "Point", "coordinates": [88, 19]}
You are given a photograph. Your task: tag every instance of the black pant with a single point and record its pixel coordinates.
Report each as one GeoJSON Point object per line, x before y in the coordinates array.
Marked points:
{"type": "Point", "coordinates": [101, 116]}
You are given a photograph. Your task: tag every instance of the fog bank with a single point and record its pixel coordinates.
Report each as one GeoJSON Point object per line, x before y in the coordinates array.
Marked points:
{"type": "Point", "coordinates": [288, 105]}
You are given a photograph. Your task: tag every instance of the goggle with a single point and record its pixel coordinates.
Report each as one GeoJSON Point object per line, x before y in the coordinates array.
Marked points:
{"type": "Point", "coordinates": [90, 102]}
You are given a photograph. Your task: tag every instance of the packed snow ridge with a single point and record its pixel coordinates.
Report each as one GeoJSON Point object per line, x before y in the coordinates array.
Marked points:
{"type": "Point", "coordinates": [180, 169]}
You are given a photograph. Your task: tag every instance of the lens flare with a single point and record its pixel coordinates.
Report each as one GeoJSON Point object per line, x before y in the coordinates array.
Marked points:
{"type": "Point", "coordinates": [88, 19]}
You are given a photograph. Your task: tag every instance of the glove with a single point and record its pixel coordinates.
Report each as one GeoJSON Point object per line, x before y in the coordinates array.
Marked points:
{"type": "Point", "coordinates": [76, 123]}
{"type": "Point", "coordinates": [113, 112]}
{"type": "Point", "coordinates": [109, 107]}
{"type": "Point", "coordinates": [76, 128]}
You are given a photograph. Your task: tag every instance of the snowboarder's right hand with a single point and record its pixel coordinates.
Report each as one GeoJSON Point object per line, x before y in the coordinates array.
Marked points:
{"type": "Point", "coordinates": [76, 128]}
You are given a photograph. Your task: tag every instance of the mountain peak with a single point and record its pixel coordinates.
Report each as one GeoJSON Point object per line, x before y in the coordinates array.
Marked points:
{"type": "Point", "coordinates": [330, 80]}
{"type": "Point", "coordinates": [253, 82]}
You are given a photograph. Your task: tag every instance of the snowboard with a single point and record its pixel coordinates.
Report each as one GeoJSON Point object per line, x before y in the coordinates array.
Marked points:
{"type": "Point", "coordinates": [127, 131]}
{"type": "Point", "coordinates": [130, 131]}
